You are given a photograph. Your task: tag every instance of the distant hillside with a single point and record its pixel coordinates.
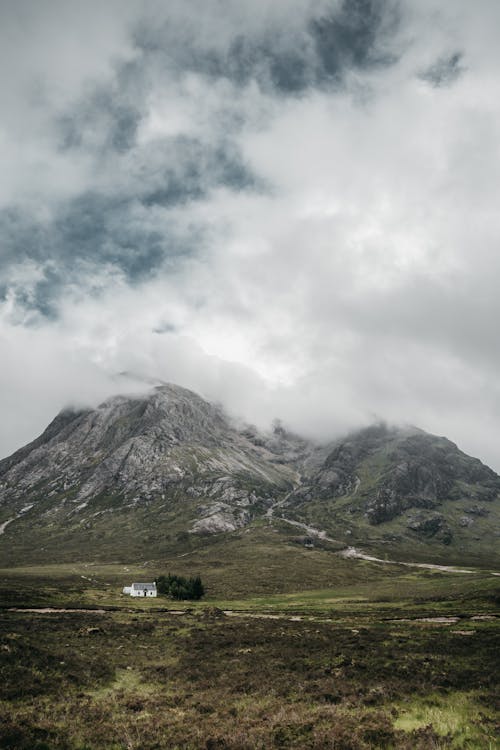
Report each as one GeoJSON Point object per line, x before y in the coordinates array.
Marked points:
{"type": "Point", "coordinates": [406, 491]}
{"type": "Point", "coordinates": [140, 477]}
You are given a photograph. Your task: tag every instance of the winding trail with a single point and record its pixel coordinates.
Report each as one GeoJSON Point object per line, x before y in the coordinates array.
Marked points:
{"type": "Point", "coordinates": [4, 525]}
{"type": "Point", "coordinates": [21, 513]}
{"type": "Point", "coordinates": [353, 553]}
{"type": "Point", "coordinates": [318, 533]}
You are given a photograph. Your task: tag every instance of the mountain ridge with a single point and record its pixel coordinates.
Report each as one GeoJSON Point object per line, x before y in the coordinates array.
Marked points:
{"type": "Point", "coordinates": [157, 470]}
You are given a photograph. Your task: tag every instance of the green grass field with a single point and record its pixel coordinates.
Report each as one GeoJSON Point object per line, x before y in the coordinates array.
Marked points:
{"type": "Point", "coordinates": [382, 657]}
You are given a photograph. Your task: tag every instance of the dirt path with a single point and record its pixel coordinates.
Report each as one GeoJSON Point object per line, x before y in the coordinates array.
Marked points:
{"type": "Point", "coordinates": [352, 552]}
{"type": "Point", "coordinates": [57, 611]}
{"type": "Point", "coordinates": [280, 503]}
{"type": "Point", "coordinates": [309, 529]}
{"type": "Point", "coordinates": [4, 525]}
{"type": "Point", "coordinates": [21, 513]}
{"type": "Point", "coordinates": [318, 533]}
{"type": "Point", "coordinates": [283, 616]}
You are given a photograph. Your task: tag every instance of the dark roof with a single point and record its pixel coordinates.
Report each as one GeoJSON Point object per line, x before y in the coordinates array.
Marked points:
{"type": "Point", "coordinates": [147, 586]}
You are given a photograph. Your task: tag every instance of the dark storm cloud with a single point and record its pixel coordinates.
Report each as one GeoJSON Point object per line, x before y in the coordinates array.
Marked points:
{"type": "Point", "coordinates": [354, 38]}
{"type": "Point", "coordinates": [97, 229]}
{"type": "Point", "coordinates": [199, 169]}
{"type": "Point", "coordinates": [38, 297]}
{"type": "Point", "coordinates": [116, 228]}
{"type": "Point", "coordinates": [283, 60]}
{"type": "Point", "coordinates": [117, 122]}
{"type": "Point", "coordinates": [107, 115]}
{"type": "Point", "coordinates": [91, 234]}
{"type": "Point", "coordinates": [121, 232]}
{"type": "Point", "coordinates": [444, 71]}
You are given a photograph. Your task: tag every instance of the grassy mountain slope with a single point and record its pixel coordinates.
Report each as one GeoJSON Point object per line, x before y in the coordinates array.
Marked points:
{"type": "Point", "coordinates": [404, 492]}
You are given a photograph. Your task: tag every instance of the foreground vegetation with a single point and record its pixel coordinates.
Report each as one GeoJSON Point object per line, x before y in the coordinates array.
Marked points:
{"type": "Point", "coordinates": [207, 681]}
{"type": "Point", "coordinates": [408, 661]}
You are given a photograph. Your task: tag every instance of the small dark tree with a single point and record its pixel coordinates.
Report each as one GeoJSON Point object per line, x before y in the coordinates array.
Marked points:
{"type": "Point", "coordinates": [179, 588]}
{"type": "Point", "coordinates": [197, 588]}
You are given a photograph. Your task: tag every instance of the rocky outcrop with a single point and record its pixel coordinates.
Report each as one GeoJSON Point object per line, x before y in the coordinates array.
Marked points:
{"type": "Point", "coordinates": [431, 525]}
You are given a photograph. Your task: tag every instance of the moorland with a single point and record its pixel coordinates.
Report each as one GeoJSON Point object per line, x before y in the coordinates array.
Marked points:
{"type": "Point", "coordinates": [363, 656]}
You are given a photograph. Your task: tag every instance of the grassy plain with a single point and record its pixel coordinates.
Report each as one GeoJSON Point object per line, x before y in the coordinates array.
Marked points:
{"type": "Point", "coordinates": [382, 657]}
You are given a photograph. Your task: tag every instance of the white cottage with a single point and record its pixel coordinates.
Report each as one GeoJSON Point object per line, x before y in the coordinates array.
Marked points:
{"type": "Point", "coordinates": [141, 589]}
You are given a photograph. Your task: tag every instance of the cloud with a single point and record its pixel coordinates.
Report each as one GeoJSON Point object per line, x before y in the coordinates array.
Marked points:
{"type": "Point", "coordinates": [444, 71]}
{"type": "Point", "coordinates": [316, 47]}
{"type": "Point", "coordinates": [289, 207]}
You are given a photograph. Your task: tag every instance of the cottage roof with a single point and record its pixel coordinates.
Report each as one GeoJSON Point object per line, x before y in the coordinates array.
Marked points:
{"type": "Point", "coordinates": [144, 586]}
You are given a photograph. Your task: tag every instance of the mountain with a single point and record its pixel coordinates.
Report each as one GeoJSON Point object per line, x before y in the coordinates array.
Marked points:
{"type": "Point", "coordinates": [406, 491]}
{"type": "Point", "coordinates": [144, 475]}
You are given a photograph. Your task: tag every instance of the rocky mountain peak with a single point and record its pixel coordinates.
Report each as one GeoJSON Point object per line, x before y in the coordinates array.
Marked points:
{"type": "Point", "coordinates": [169, 459]}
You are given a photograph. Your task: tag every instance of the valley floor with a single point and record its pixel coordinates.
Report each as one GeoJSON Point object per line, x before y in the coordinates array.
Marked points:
{"type": "Point", "coordinates": [409, 661]}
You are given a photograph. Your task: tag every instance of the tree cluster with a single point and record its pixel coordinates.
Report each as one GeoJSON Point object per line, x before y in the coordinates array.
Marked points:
{"type": "Point", "coordinates": [178, 587]}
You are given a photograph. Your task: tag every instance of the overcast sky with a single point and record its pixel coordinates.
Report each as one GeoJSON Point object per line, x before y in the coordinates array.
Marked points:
{"type": "Point", "coordinates": [290, 206]}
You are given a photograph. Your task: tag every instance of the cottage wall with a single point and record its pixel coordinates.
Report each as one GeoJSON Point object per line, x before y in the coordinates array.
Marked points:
{"type": "Point", "coordinates": [140, 591]}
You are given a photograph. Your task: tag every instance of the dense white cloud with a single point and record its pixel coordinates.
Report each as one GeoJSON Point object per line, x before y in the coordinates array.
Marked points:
{"type": "Point", "coordinates": [321, 248]}
{"type": "Point", "coordinates": [49, 53]}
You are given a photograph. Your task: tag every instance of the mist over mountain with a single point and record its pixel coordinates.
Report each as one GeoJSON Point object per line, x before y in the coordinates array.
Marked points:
{"type": "Point", "coordinates": [288, 207]}
{"type": "Point", "coordinates": [144, 474]}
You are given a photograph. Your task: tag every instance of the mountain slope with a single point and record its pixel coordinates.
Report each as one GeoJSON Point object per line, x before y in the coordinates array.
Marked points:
{"type": "Point", "coordinates": [139, 477]}
{"type": "Point", "coordinates": [169, 459]}
{"type": "Point", "coordinates": [404, 490]}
